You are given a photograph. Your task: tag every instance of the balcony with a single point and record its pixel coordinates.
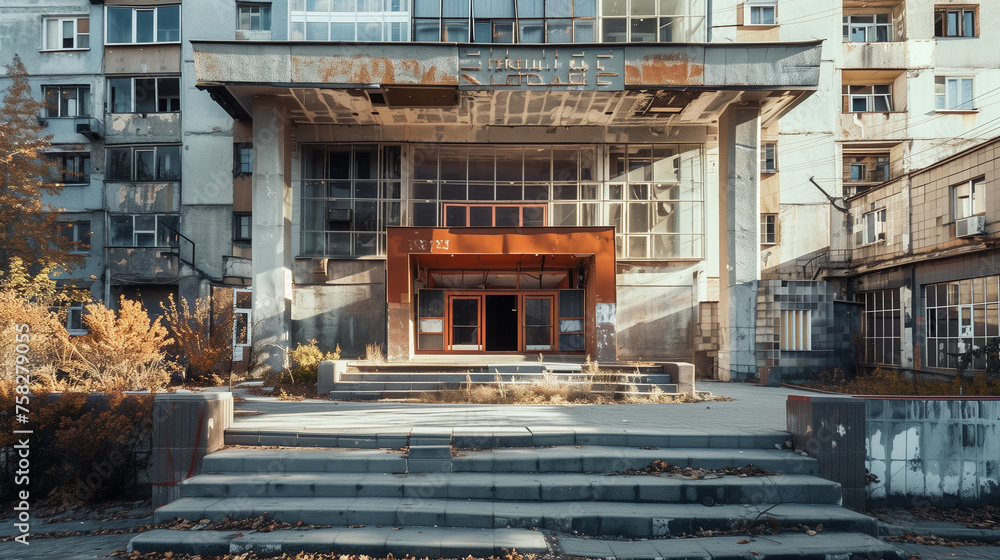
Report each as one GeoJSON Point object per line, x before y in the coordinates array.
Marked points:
{"type": "Point", "coordinates": [873, 126]}
{"type": "Point", "coordinates": [886, 54]}
{"type": "Point", "coordinates": [144, 264]}
{"type": "Point", "coordinates": [126, 128]}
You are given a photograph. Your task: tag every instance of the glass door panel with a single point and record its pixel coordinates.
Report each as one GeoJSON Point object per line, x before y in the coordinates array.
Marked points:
{"type": "Point", "coordinates": [465, 319]}
{"type": "Point", "coordinates": [537, 323]}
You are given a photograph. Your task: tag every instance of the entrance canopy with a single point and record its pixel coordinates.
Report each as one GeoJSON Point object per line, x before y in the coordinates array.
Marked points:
{"type": "Point", "coordinates": [504, 85]}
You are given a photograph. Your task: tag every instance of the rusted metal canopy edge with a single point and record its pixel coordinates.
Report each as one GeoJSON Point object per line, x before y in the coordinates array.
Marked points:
{"type": "Point", "coordinates": [597, 67]}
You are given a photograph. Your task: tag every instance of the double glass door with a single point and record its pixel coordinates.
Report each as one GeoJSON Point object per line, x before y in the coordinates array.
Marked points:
{"type": "Point", "coordinates": [501, 322]}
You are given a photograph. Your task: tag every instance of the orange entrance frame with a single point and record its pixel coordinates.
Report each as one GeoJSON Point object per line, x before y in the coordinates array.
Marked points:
{"type": "Point", "coordinates": [589, 252]}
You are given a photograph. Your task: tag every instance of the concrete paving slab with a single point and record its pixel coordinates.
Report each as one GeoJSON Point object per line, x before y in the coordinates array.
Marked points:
{"type": "Point", "coordinates": [312, 540]}
{"type": "Point", "coordinates": [469, 514]}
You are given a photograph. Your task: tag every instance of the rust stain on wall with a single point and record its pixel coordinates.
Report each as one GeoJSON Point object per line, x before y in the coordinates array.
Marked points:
{"type": "Point", "coordinates": [361, 69]}
{"type": "Point", "coordinates": [664, 69]}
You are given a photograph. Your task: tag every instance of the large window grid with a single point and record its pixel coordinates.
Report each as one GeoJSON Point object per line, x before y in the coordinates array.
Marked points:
{"type": "Point", "coordinates": [506, 21]}
{"type": "Point", "coordinates": [961, 316]}
{"type": "Point", "coordinates": [349, 20]}
{"type": "Point", "coordinates": [638, 21]}
{"type": "Point", "coordinates": [350, 194]}
{"type": "Point", "coordinates": [882, 325]}
{"type": "Point", "coordinates": [652, 194]}
{"type": "Point", "coordinates": [142, 25]}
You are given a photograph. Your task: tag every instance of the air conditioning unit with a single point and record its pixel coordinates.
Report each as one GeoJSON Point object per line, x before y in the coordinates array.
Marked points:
{"type": "Point", "coordinates": [82, 127]}
{"type": "Point", "coordinates": [973, 225]}
{"type": "Point", "coordinates": [338, 215]}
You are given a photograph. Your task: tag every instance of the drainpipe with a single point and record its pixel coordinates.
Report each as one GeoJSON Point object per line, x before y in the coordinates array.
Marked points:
{"type": "Point", "coordinates": [708, 21]}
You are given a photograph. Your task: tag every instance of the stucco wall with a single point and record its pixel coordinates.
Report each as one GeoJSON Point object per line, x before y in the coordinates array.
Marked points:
{"type": "Point", "coordinates": [933, 452]}
{"type": "Point", "coordinates": [351, 315]}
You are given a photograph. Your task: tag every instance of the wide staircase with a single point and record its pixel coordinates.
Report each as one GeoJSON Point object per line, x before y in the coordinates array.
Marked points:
{"type": "Point", "coordinates": [450, 493]}
{"type": "Point", "coordinates": [387, 381]}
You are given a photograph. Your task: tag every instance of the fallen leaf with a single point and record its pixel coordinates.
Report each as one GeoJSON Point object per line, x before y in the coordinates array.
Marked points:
{"type": "Point", "coordinates": [811, 533]}
{"type": "Point", "coordinates": [744, 541]}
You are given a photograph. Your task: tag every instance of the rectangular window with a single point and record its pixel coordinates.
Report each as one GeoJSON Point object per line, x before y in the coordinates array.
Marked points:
{"type": "Point", "coordinates": [955, 21]}
{"type": "Point", "coordinates": [873, 227]}
{"type": "Point", "coordinates": [882, 325]}
{"type": "Point", "coordinates": [968, 199]}
{"type": "Point", "coordinates": [961, 315]}
{"type": "Point", "coordinates": [796, 329]}
{"type": "Point", "coordinates": [242, 159]}
{"type": "Point", "coordinates": [242, 312]}
{"type": "Point", "coordinates": [146, 163]}
{"type": "Point", "coordinates": [868, 28]}
{"type": "Point", "coordinates": [768, 229]}
{"type": "Point", "coordinates": [65, 33]}
{"type": "Point", "coordinates": [135, 25]}
{"type": "Point", "coordinates": [953, 94]}
{"type": "Point", "coordinates": [74, 319]}
{"type": "Point", "coordinates": [72, 168]}
{"type": "Point", "coordinates": [66, 101]}
{"type": "Point", "coordinates": [867, 98]}
{"type": "Point", "coordinates": [242, 227]}
{"type": "Point", "coordinates": [144, 230]}
{"type": "Point", "coordinates": [254, 17]}
{"type": "Point", "coordinates": [144, 95]}
{"type": "Point", "coordinates": [78, 234]}
{"type": "Point", "coordinates": [760, 12]}
{"type": "Point", "coordinates": [769, 157]}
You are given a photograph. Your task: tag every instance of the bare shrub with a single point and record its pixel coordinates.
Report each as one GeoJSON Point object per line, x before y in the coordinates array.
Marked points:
{"type": "Point", "coordinates": [123, 351]}
{"type": "Point", "coordinates": [46, 338]}
{"type": "Point", "coordinates": [202, 337]}
{"type": "Point", "coordinates": [95, 445]}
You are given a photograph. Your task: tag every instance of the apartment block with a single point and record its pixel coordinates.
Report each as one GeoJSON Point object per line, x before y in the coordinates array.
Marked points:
{"type": "Point", "coordinates": [625, 179]}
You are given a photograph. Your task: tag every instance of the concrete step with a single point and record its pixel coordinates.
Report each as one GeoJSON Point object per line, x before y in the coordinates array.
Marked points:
{"type": "Point", "coordinates": [419, 542]}
{"type": "Point", "coordinates": [558, 487]}
{"type": "Point", "coordinates": [455, 379]}
{"type": "Point", "coordinates": [786, 546]}
{"type": "Point", "coordinates": [633, 520]}
{"type": "Point", "coordinates": [582, 459]}
{"type": "Point", "coordinates": [486, 438]}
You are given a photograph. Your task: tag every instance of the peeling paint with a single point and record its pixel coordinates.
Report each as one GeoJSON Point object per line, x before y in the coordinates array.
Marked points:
{"type": "Point", "coordinates": [665, 69]}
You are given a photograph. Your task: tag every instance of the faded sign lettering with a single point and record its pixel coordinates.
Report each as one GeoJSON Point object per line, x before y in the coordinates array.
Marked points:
{"type": "Point", "coordinates": [522, 66]}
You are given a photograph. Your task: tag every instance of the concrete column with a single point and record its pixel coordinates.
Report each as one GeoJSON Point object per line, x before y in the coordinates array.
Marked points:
{"type": "Point", "coordinates": [186, 427]}
{"type": "Point", "coordinates": [739, 238]}
{"type": "Point", "coordinates": [272, 235]}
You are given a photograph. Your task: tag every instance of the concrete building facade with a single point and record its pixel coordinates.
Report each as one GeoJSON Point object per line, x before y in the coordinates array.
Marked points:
{"type": "Point", "coordinates": [625, 179]}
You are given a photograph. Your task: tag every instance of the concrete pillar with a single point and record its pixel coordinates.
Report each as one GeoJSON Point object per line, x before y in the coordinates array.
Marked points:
{"type": "Point", "coordinates": [186, 427]}
{"type": "Point", "coordinates": [272, 235]}
{"type": "Point", "coordinates": [739, 238]}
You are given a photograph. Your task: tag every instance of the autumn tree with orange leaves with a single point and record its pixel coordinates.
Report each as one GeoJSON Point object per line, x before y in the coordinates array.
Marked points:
{"type": "Point", "coordinates": [28, 225]}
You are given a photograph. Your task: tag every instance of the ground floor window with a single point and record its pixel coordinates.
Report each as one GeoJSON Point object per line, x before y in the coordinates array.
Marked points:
{"type": "Point", "coordinates": [882, 326]}
{"type": "Point", "coordinates": [961, 315]}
